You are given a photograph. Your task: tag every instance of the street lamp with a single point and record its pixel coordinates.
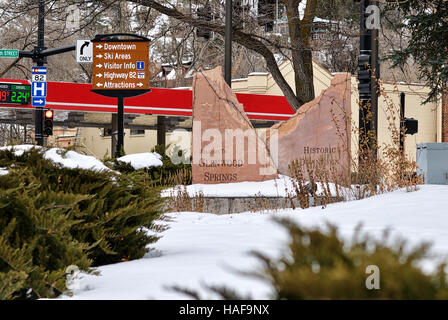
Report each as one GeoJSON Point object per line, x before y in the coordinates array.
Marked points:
{"type": "Point", "coordinates": [368, 74]}
{"type": "Point", "coordinates": [228, 44]}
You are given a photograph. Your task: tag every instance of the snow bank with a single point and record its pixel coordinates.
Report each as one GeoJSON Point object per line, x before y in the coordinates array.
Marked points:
{"type": "Point", "coordinates": [280, 187]}
{"type": "Point", "coordinates": [3, 171]}
{"type": "Point", "coordinates": [68, 159]}
{"type": "Point", "coordinates": [72, 160]}
{"type": "Point", "coordinates": [143, 160]}
{"type": "Point", "coordinates": [18, 150]}
{"type": "Point", "coordinates": [268, 188]}
{"type": "Point", "coordinates": [203, 248]}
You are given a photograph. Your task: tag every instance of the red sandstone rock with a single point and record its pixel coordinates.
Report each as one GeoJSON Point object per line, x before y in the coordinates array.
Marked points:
{"type": "Point", "coordinates": [218, 117]}
{"type": "Point", "coordinates": [319, 128]}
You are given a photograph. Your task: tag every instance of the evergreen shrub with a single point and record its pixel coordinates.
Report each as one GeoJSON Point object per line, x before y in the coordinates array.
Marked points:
{"type": "Point", "coordinates": [169, 174]}
{"type": "Point", "coordinates": [319, 265]}
{"type": "Point", "coordinates": [52, 217]}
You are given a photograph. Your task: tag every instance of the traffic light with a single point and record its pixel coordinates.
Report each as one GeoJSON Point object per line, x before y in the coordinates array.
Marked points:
{"type": "Point", "coordinates": [204, 13]}
{"type": "Point", "coordinates": [48, 122]}
{"type": "Point", "coordinates": [410, 125]}
{"type": "Point", "coordinates": [364, 76]}
{"type": "Point", "coordinates": [266, 14]}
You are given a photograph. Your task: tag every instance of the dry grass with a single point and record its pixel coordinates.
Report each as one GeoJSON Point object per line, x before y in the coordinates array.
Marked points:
{"type": "Point", "coordinates": [180, 200]}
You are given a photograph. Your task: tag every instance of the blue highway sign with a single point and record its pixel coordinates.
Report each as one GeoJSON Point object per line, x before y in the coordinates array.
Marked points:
{"type": "Point", "coordinates": [38, 102]}
{"type": "Point", "coordinates": [38, 89]}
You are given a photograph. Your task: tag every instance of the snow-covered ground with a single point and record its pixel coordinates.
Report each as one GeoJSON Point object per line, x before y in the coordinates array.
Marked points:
{"type": "Point", "coordinates": [142, 160]}
{"type": "Point", "coordinates": [207, 249]}
{"type": "Point", "coordinates": [281, 187]}
{"type": "Point", "coordinates": [269, 188]}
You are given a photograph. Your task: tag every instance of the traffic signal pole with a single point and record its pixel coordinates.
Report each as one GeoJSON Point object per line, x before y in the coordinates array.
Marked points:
{"type": "Point", "coordinates": [40, 63]}
{"type": "Point", "coordinates": [368, 74]}
{"type": "Point", "coordinates": [375, 65]}
{"type": "Point", "coordinates": [402, 116]}
{"type": "Point", "coordinates": [39, 55]}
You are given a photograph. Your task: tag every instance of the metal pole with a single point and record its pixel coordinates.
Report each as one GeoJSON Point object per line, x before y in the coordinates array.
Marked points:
{"type": "Point", "coordinates": [228, 44]}
{"type": "Point", "coordinates": [375, 77]}
{"type": "Point", "coordinates": [161, 130]}
{"type": "Point", "coordinates": [161, 126]}
{"type": "Point", "coordinates": [115, 117]}
{"type": "Point", "coordinates": [41, 27]}
{"type": "Point", "coordinates": [365, 116]}
{"type": "Point", "coordinates": [120, 127]}
{"type": "Point", "coordinates": [114, 134]}
{"type": "Point", "coordinates": [402, 115]}
{"type": "Point", "coordinates": [38, 125]}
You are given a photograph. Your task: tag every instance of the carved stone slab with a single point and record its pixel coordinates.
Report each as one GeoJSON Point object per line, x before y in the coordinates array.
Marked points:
{"type": "Point", "coordinates": [226, 147]}
{"type": "Point", "coordinates": [320, 128]}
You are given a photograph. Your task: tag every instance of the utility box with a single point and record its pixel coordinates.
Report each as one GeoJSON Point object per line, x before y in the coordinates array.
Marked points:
{"type": "Point", "coordinates": [432, 162]}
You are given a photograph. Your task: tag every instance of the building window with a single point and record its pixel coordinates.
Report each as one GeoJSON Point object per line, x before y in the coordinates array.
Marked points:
{"type": "Point", "coordinates": [137, 131]}
{"type": "Point", "coordinates": [106, 132]}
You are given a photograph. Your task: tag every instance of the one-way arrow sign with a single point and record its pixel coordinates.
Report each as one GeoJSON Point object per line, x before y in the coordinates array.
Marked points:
{"type": "Point", "coordinates": [84, 51]}
{"type": "Point", "coordinates": [38, 102]}
{"type": "Point", "coordinates": [86, 44]}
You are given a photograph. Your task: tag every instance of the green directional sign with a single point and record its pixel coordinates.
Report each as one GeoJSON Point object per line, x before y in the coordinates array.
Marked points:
{"type": "Point", "coordinates": [9, 53]}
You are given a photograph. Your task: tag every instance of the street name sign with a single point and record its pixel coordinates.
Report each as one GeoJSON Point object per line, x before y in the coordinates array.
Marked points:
{"type": "Point", "coordinates": [9, 53]}
{"type": "Point", "coordinates": [84, 51]}
{"type": "Point", "coordinates": [120, 66]}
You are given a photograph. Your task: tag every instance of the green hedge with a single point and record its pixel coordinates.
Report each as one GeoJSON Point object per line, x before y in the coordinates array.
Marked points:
{"type": "Point", "coordinates": [52, 217]}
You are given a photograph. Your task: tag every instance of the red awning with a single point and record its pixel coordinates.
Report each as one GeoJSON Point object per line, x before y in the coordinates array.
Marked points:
{"type": "Point", "coordinates": [78, 97]}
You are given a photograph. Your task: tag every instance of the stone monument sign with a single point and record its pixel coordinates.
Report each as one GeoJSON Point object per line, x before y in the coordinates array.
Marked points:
{"type": "Point", "coordinates": [226, 147]}
{"type": "Point", "coordinates": [320, 129]}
